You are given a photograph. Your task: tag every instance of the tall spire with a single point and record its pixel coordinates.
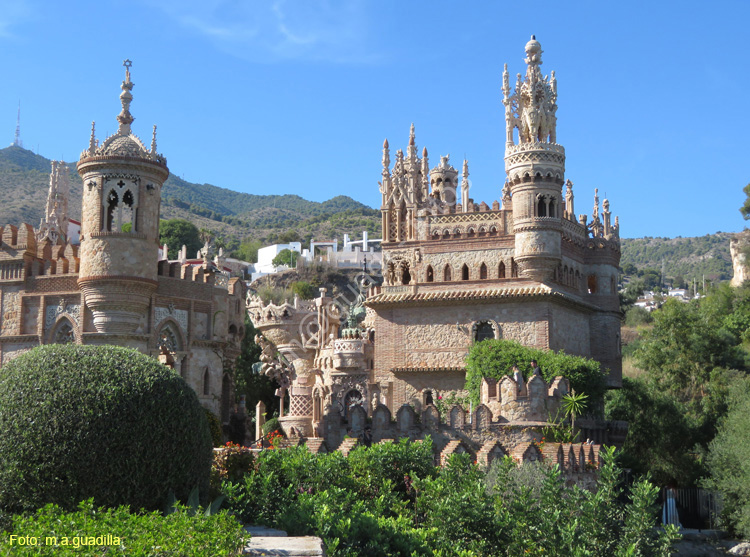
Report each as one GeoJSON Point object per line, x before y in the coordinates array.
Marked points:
{"type": "Point", "coordinates": [386, 158]}
{"type": "Point", "coordinates": [153, 142]}
{"type": "Point", "coordinates": [465, 187]}
{"type": "Point", "coordinates": [54, 225]}
{"type": "Point", "coordinates": [92, 139]}
{"type": "Point", "coordinates": [411, 151]}
{"type": "Point", "coordinates": [126, 97]}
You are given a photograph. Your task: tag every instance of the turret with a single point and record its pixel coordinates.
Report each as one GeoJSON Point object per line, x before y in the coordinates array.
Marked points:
{"type": "Point", "coordinates": [444, 181]}
{"type": "Point", "coordinates": [122, 182]}
{"type": "Point", "coordinates": [535, 165]}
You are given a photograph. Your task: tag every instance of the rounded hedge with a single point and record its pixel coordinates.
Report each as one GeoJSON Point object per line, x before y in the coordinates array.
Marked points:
{"type": "Point", "coordinates": [98, 421]}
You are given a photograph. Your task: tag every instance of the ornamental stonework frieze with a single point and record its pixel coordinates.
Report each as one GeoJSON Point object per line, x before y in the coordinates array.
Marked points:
{"type": "Point", "coordinates": [179, 315]}
{"type": "Point", "coordinates": [71, 310]}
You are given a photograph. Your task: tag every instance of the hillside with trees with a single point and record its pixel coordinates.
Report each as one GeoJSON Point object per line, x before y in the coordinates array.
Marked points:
{"type": "Point", "coordinates": [241, 220]}
{"type": "Point", "coordinates": [232, 216]}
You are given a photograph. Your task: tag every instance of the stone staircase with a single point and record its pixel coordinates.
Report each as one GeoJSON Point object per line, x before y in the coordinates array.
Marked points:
{"type": "Point", "coordinates": [347, 445]}
{"type": "Point", "coordinates": [269, 542]}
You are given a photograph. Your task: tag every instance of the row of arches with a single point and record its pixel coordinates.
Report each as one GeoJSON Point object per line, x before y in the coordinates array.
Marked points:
{"type": "Point", "coordinates": [483, 272]}
{"type": "Point", "coordinates": [469, 232]}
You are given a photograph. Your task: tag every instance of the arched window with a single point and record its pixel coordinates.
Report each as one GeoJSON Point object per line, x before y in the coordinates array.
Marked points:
{"type": "Point", "coordinates": [592, 284]}
{"type": "Point", "coordinates": [206, 382]}
{"type": "Point", "coordinates": [169, 338]}
{"type": "Point", "coordinates": [501, 270]}
{"type": "Point", "coordinates": [430, 276]}
{"type": "Point", "coordinates": [428, 398]}
{"type": "Point", "coordinates": [406, 276]}
{"type": "Point", "coordinates": [465, 272]}
{"type": "Point", "coordinates": [119, 207]}
{"type": "Point", "coordinates": [483, 271]}
{"type": "Point", "coordinates": [447, 273]}
{"type": "Point", "coordinates": [64, 334]}
{"type": "Point", "coordinates": [541, 207]}
{"type": "Point", "coordinates": [552, 207]}
{"type": "Point", "coordinates": [513, 268]}
{"type": "Point", "coordinates": [484, 331]}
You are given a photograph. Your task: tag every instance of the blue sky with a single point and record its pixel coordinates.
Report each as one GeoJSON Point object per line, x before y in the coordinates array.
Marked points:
{"type": "Point", "coordinates": [297, 96]}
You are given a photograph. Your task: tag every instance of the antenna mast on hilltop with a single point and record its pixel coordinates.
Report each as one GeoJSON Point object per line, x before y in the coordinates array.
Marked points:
{"type": "Point", "coordinates": [17, 142]}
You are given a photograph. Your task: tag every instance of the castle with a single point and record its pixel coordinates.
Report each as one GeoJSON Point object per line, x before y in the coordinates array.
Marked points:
{"type": "Point", "coordinates": [113, 287]}
{"type": "Point", "coordinates": [457, 272]}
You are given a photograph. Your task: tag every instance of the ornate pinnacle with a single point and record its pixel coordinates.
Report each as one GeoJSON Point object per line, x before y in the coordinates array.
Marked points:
{"type": "Point", "coordinates": [465, 172]}
{"type": "Point", "coordinates": [126, 97]}
{"type": "Point", "coordinates": [386, 157]}
{"type": "Point", "coordinates": [412, 150]}
{"type": "Point", "coordinates": [153, 142]}
{"type": "Point", "coordinates": [92, 140]}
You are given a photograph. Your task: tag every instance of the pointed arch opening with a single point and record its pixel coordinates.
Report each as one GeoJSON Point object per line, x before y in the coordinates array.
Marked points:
{"type": "Point", "coordinates": [447, 273]}
{"type": "Point", "coordinates": [483, 271]}
{"type": "Point", "coordinates": [206, 382]}
{"type": "Point", "coordinates": [430, 275]}
{"type": "Point", "coordinates": [465, 272]}
{"type": "Point", "coordinates": [64, 332]}
{"type": "Point", "coordinates": [501, 270]}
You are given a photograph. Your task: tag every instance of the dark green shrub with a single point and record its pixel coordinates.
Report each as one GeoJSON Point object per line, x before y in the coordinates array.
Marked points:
{"type": "Point", "coordinates": [101, 422]}
{"type": "Point", "coordinates": [495, 358]}
{"type": "Point", "coordinates": [140, 535]}
{"type": "Point", "coordinates": [214, 426]}
{"type": "Point", "coordinates": [272, 425]}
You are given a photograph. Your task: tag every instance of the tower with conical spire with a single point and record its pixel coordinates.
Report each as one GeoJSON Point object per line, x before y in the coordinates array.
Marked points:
{"type": "Point", "coordinates": [120, 223]}
{"type": "Point", "coordinates": [54, 225]}
{"type": "Point", "coordinates": [535, 165]}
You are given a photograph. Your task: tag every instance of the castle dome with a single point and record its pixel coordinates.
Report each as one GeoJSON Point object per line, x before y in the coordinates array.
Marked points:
{"type": "Point", "coordinates": [124, 143]}
{"type": "Point", "coordinates": [533, 46]}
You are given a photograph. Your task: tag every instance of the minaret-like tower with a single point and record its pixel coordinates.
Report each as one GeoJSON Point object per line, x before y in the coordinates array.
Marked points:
{"type": "Point", "coordinates": [403, 190]}
{"type": "Point", "coordinates": [535, 165]}
{"type": "Point", "coordinates": [54, 225]}
{"type": "Point", "coordinates": [122, 182]}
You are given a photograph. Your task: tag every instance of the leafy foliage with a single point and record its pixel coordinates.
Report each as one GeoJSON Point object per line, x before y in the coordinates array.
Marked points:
{"type": "Point", "coordinates": [177, 233]}
{"type": "Point", "coordinates": [661, 437]}
{"type": "Point", "coordinates": [140, 535]}
{"type": "Point", "coordinates": [98, 421]}
{"type": "Point", "coordinates": [284, 257]}
{"type": "Point", "coordinates": [495, 358]}
{"type": "Point", "coordinates": [728, 459]}
{"type": "Point", "coordinates": [391, 500]}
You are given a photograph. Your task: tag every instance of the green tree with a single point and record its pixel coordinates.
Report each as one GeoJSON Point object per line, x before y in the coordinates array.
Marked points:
{"type": "Point", "coordinates": [745, 209]}
{"type": "Point", "coordinates": [248, 250]}
{"type": "Point", "coordinates": [661, 436]}
{"type": "Point", "coordinates": [683, 348]}
{"type": "Point", "coordinates": [574, 404]}
{"type": "Point", "coordinates": [177, 233]}
{"type": "Point", "coordinates": [106, 422]}
{"type": "Point", "coordinates": [285, 257]}
{"type": "Point", "coordinates": [728, 459]}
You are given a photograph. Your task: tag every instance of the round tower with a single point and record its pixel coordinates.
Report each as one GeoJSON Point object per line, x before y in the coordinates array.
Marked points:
{"type": "Point", "coordinates": [122, 182]}
{"type": "Point", "coordinates": [535, 166]}
{"type": "Point", "coordinates": [444, 181]}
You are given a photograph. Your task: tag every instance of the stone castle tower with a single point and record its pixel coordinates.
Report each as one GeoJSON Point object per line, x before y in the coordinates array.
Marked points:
{"type": "Point", "coordinates": [535, 165]}
{"type": "Point", "coordinates": [122, 186]}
